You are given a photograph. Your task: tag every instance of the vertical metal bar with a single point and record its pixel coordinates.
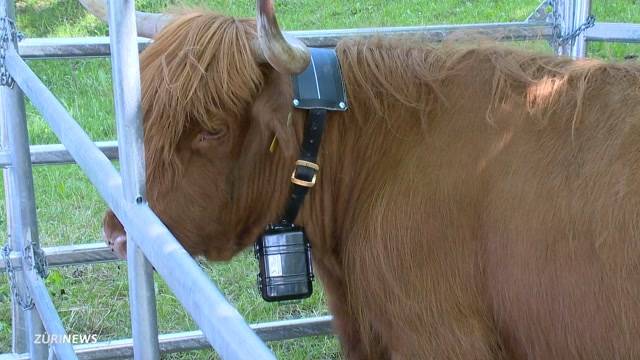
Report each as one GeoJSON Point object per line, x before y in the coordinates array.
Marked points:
{"type": "Point", "coordinates": [568, 23]}
{"type": "Point", "coordinates": [127, 98]}
{"type": "Point", "coordinates": [23, 222]}
{"type": "Point", "coordinates": [23, 226]}
{"type": "Point", "coordinates": [582, 10]}
{"type": "Point", "coordinates": [18, 327]}
{"type": "Point", "coordinates": [565, 12]}
{"type": "Point", "coordinates": [572, 14]}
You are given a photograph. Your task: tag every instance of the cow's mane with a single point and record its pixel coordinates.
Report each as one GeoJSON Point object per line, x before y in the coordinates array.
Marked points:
{"type": "Point", "coordinates": [199, 69]}
{"type": "Point", "coordinates": [387, 73]}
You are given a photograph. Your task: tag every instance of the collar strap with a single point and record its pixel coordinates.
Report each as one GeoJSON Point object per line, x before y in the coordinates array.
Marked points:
{"type": "Point", "coordinates": [304, 175]}
{"type": "Point", "coordinates": [318, 89]}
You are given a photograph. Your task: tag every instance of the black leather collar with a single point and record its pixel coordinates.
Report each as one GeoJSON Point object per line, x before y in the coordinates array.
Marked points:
{"type": "Point", "coordinates": [319, 89]}
{"type": "Point", "coordinates": [306, 170]}
{"type": "Point", "coordinates": [283, 250]}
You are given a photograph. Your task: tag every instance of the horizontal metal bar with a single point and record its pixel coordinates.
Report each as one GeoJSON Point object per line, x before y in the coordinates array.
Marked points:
{"type": "Point", "coordinates": [614, 32]}
{"type": "Point", "coordinates": [125, 72]}
{"type": "Point", "coordinates": [12, 356]}
{"type": "Point", "coordinates": [293, 329]}
{"type": "Point", "coordinates": [194, 340]}
{"type": "Point", "coordinates": [40, 48]}
{"type": "Point", "coordinates": [58, 154]}
{"type": "Point", "coordinates": [48, 48]}
{"type": "Point", "coordinates": [221, 323]}
{"type": "Point", "coordinates": [69, 255]}
{"type": "Point", "coordinates": [503, 31]}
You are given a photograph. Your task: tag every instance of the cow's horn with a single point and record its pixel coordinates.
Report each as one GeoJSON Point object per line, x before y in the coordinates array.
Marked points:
{"type": "Point", "coordinates": [148, 24]}
{"type": "Point", "coordinates": [286, 54]}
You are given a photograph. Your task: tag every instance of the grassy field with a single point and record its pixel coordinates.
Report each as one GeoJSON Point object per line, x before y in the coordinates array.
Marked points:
{"type": "Point", "coordinates": [93, 299]}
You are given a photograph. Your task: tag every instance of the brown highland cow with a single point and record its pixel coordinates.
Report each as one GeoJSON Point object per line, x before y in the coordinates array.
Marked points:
{"type": "Point", "coordinates": [475, 202]}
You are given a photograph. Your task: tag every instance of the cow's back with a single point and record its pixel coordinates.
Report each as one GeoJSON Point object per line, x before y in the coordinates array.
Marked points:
{"type": "Point", "coordinates": [511, 229]}
{"type": "Point", "coordinates": [562, 222]}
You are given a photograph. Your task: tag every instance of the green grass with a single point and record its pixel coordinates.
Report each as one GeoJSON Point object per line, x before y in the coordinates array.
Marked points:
{"type": "Point", "coordinates": [92, 299]}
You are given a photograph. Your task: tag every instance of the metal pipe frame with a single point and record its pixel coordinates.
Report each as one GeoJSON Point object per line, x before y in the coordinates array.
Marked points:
{"type": "Point", "coordinates": [52, 48]}
{"type": "Point", "coordinates": [582, 10]}
{"type": "Point", "coordinates": [18, 323]}
{"type": "Point", "coordinates": [21, 214]}
{"type": "Point", "coordinates": [71, 47]}
{"type": "Point", "coordinates": [614, 32]}
{"type": "Point", "coordinates": [563, 10]}
{"type": "Point", "coordinates": [194, 340]}
{"type": "Point", "coordinates": [574, 13]}
{"type": "Point", "coordinates": [24, 323]}
{"type": "Point", "coordinates": [221, 323]}
{"type": "Point", "coordinates": [57, 154]}
{"type": "Point", "coordinates": [39, 48]}
{"type": "Point", "coordinates": [68, 255]}
{"type": "Point", "coordinates": [127, 98]}
{"type": "Point", "coordinates": [24, 227]}
{"type": "Point", "coordinates": [50, 320]}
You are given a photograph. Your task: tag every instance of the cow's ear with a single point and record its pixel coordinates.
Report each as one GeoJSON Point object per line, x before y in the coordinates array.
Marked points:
{"type": "Point", "coordinates": [272, 111]}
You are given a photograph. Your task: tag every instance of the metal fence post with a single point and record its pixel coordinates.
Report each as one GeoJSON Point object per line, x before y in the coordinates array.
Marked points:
{"type": "Point", "coordinates": [127, 98]}
{"type": "Point", "coordinates": [582, 10]}
{"type": "Point", "coordinates": [563, 18]}
{"type": "Point", "coordinates": [570, 17]}
{"type": "Point", "coordinates": [21, 209]}
{"type": "Point", "coordinates": [18, 326]}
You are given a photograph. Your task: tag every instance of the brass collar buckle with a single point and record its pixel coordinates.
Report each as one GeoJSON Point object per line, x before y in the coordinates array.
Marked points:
{"type": "Point", "coordinates": [307, 164]}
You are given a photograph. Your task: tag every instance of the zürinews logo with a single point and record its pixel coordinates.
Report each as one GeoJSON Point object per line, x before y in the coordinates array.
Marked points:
{"type": "Point", "coordinates": [66, 339]}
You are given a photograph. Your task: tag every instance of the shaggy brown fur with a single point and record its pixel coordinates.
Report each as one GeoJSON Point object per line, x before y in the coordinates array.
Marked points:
{"type": "Point", "coordinates": [476, 202]}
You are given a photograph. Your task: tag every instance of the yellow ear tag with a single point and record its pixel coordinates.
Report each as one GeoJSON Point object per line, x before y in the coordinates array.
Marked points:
{"type": "Point", "coordinates": [274, 144]}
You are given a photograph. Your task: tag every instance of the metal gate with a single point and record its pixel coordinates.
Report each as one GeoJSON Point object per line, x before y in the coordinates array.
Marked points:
{"type": "Point", "coordinates": [566, 24]}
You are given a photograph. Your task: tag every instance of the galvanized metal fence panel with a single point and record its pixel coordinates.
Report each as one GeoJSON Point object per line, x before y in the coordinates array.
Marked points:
{"type": "Point", "coordinates": [567, 28]}
{"type": "Point", "coordinates": [125, 68]}
{"type": "Point", "coordinates": [23, 225]}
{"type": "Point", "coordinates": [221, 323]}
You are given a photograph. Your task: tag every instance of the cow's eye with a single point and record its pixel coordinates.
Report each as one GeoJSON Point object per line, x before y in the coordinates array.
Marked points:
{"type": "Point", "coordinates": [214, 134]}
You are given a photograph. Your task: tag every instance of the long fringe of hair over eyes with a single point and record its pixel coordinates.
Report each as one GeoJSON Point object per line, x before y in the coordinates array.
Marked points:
{"type": "Point", "coordinates": [199, 69]}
